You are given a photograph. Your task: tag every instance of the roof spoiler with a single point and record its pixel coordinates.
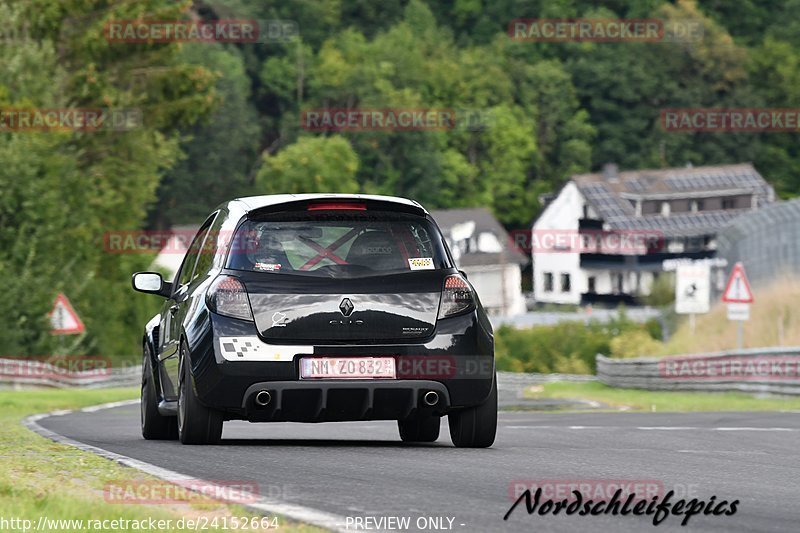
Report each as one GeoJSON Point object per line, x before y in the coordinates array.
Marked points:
{"type": "Point", "coordinates": [344, 204]}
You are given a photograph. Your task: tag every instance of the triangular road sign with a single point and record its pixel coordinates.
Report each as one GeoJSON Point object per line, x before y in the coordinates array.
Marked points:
{"type": "Point", "coordinates": [64, 319]}
{"type": "Point", "coordinates": [738, 288]}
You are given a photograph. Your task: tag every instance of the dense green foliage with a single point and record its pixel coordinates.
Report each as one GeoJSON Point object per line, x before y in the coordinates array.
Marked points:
{"type": "Point", "coordinates": [61, 191]}
{"type": "Point", "coordinates": [552, 109]}
{"type": "Point", "coordinates": [570, 347]}
{"type": "Point", "coordinates": [224, 119]}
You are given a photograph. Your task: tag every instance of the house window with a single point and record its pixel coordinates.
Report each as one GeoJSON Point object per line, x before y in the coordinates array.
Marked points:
{"type": "Point", "coordinates": [591, 282]}
{"type": "Point", "coordinates": [729, 203]}
{"type": "Point", "coordinates": [565, 283]}
{"type": "Point", "coordinates": [548, 282]}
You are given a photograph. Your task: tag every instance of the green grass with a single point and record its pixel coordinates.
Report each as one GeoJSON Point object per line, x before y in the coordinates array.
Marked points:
{"type": "Point", "coordinates": [41, 478]}
{"type": "Point", "coordinates": [667, 401]}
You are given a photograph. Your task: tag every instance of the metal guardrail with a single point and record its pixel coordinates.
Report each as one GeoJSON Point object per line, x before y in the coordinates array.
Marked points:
{"type": "Point", "coordinates": [17, 372]}
{"type": "Point", "coordinates": [549, 318]}
{"type": "Point", "coordinates": [758, 370]}
{"type": "Point", "coordinates": [30, 373]}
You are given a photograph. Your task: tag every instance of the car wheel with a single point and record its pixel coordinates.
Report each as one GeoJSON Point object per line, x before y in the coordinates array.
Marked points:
{"type": "Point", "coordinates": [197, 424]}
{"type": "Point", "coordinates": [155, 426]}
{"type": "Point", "coordinates": [419, 429]}
{"type": "Point", "coordinates": [475, 427]}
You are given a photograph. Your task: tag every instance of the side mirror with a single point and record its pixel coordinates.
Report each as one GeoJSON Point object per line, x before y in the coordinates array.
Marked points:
{"type": "Point", "coordinates": [151, 283]}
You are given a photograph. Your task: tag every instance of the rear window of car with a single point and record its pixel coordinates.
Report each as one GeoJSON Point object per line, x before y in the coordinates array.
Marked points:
{"type": "Point", "coordinates": [338, 244]}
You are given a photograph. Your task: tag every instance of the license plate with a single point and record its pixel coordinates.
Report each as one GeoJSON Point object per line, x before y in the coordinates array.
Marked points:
{"type": "Point", "coordinates": [347, 368]}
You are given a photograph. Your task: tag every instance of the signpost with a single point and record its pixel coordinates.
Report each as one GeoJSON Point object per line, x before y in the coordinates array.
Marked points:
{"type": "Point", "coordinates": [692, 290]}
{"type": "Point", "coordinates": [63, 318]}
{"type": "Point", "coordinates": [738, 296]}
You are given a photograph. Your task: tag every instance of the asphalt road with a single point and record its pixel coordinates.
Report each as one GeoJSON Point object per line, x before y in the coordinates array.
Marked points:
{"type": "Point", "coordinates": [362, 469]}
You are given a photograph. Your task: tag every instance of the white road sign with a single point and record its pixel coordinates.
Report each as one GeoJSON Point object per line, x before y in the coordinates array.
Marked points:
{"type": "Point", "coordinates": [737, 311]}
{"type": "Point", "coordinates": [692, 288]}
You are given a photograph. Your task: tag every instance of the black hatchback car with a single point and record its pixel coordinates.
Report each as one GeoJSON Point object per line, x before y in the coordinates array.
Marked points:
{"type": "Point", "coordinates": [318, 308]}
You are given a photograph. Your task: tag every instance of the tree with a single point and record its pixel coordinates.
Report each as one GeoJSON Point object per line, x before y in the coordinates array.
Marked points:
{"type": "Point", "coordinates": [326, 164]}
{"type": "Point", "coordinates": [219, 155]}
{"type": "Point", "coordinates": [60, 192]}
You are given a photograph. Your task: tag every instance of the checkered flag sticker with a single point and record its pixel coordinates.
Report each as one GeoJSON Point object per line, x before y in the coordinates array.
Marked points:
{"type": "Point", "coordinates": [237, 346]}
{"type": "Point", "coordinates": [251, 348]}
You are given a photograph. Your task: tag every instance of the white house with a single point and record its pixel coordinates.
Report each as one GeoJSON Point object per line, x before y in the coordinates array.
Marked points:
{"type": "Point", "coordinates": [482, 250]}
{"type": "Point", "coordinates": [170, 257]}
{"type": "Point", "coordinates": [604, 236]}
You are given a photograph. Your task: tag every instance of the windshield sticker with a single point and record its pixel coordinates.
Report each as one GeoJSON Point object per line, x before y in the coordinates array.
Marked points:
{"type": "Point", "coordinates": [267, 267]}
{"type": "Point", "coordinates": [421, 263]}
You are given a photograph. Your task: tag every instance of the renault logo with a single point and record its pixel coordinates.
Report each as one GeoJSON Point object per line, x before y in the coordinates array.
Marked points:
{"type": "Point", "coordinates": [346, 307]}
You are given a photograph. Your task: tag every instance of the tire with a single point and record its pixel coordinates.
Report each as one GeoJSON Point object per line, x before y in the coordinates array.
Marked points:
{"type": "Point", "coordinates": [197, 424]}
{"type": "Point", "coordinates": [419, 429]}
{"type": "Point", "coordinates": [155, 426]}
{"type": "Point", "coordinates": [475, 427]}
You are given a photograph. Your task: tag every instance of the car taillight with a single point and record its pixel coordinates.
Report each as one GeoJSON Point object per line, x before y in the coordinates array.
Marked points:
{"type": "Point", "coordinates": [337, 206]}
{"type": "Point", "coordinates": [228, 296]}
{"type": "Point", "coordinates": [457, 297]}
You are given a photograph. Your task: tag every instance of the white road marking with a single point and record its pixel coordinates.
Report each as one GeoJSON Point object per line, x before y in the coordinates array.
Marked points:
{"type": "Point", "coordinates": [658, 428]}
{"type": "Point", "coordinates": [666, 428]}
{"type": "Point", "coordinates": [109, 405]}
{"type": "Point", "coordinates": [261, 505]}
{"type": "Point", "coordinates": [754, 429]}
{"type": "Point", "coordinates": [734, 452]}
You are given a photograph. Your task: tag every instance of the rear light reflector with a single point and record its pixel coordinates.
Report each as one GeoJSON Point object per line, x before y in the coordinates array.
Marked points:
{"type": "Point", "coordinates": [337, 206]}
{"type": "Point", "coordinates": [228, 296]}
{"type": "Point", "coordinates": [457, 297]}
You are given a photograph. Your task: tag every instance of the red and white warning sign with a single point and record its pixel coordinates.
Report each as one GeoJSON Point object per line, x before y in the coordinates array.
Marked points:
{"type": "Point", "coordinates": [738, 288]}
{"type": "Point", "coordinates": [64, 319]}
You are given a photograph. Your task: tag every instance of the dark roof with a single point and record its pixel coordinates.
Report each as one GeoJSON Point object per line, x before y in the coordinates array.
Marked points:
{"type": "Point", "coordinates": [681, 224]}
{"type": "Point", "coordinates": [610, 194]}
{"type": "Point", "coordinates": [485, 222]}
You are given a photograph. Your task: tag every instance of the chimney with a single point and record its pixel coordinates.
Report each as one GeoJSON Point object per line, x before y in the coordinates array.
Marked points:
{"type": "Point", "coordinates": [611, 172]}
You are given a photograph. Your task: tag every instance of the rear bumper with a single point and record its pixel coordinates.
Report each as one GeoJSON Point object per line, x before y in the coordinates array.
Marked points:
{"type": "Point", "coordinates": [462, 344]}
{"type": "Point", "coordinates": [335, 401]}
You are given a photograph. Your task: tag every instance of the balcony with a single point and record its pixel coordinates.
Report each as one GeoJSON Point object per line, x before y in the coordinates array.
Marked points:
{"type": "Point", "coordinates": [651, 261]}
{"type": "Point", "coordinates": [609, 300]}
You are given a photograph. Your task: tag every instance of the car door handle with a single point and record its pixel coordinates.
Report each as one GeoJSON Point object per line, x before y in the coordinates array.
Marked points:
{"type": "Point", "coordinates": [173, 308]}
